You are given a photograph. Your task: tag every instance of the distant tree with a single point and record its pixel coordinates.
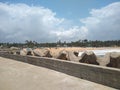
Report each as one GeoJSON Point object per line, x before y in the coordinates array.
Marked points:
{"type": "Point", "coordinates": [30, 43]}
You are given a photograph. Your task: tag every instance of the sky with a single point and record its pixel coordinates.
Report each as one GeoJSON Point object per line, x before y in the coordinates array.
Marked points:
{"type": "Point", "coordinates": [53, 20]}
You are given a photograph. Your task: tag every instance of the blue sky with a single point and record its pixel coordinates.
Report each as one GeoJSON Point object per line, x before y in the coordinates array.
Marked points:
{"type": "Point", "coordinates": [70, 9]}
{"type": "Point", "coordinates": [59, 19]}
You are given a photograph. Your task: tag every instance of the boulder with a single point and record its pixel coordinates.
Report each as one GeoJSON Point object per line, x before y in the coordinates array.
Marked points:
{"type": "Point", "coordinates": [103, 60]}
{"type": "Point", "coordinates": [76, 53]}
{"type": "Point", "coordinates": [14, 50]}
{"type": "Point", "coordinates": [29, 51]}
{"type": "Point", "coordinates": [114, 60]}
{"type": "Point", "coordinates": [26, 51]}
{"type": "Point", "coordinates": [72, 56]}
{"type": "Point", "coordinates": [46, 53]}
{"type": "Point", "coordinates": [23, 52]}
{"type": "Point", "coordinates": [88, 57]}
{"type": "Point", "coordinates": [42, 52]}
{"type": "Point", "coordinates": [111, 59]}
{"type": "Point", "coordinates": [18, 52]}
{"type": "Point", "coordinates": [38, 52]}
{"type": "Point", "coordinates": [63, 55]}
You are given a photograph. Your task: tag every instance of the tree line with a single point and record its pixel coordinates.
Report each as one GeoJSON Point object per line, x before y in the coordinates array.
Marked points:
{"type": "Point", "coordinates": [78, 43]}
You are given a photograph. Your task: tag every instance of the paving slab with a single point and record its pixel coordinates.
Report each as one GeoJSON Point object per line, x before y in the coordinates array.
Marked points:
{"type": "Point", "coordinates": [15, 75]}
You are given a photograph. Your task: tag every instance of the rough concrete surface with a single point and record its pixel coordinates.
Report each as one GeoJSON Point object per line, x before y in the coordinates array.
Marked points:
{"type": "Point", "coordinates": [16, 75]}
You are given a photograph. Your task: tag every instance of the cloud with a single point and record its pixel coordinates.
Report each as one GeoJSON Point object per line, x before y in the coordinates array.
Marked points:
{"type": "Point", "coordinates": [20, 22]}
{"type": "Point", "coordinates": [71, 34]}
{"type": "Point", "coordinates": [104, 23]}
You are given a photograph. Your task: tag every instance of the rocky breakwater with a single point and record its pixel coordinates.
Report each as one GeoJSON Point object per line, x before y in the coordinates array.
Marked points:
{"type": "Point", "coordinates": [110, 59]}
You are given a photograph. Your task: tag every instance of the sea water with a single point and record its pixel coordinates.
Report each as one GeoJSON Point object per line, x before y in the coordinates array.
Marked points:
{"type": "Point", "coordinates": [101, 52]}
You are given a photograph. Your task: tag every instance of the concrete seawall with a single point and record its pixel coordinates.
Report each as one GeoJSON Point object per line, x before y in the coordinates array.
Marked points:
{"type": "Point", "coordinates": [102, 75]}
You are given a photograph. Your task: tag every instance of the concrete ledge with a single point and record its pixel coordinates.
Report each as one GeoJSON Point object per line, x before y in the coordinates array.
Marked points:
{"type": "Point", "coordinates": [102, 75]}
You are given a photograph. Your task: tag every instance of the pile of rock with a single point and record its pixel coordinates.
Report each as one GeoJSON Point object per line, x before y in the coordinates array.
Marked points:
{"type": "Point", "coordinates": [89, 57]}
{"type": "Point", "coordinates": [111, 59]}
{"type": "Point", "coordinates": [14, 50]}
{"type": "Point", "coordinates": [63, 55]}
{"type": "Point", "coordinates": [42, 52]}
{"type": "Point", "coordinates": [26, 51]}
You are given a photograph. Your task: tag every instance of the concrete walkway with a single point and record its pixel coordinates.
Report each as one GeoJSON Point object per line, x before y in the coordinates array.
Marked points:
{"type": "Point", "coordinates": [15, 75]}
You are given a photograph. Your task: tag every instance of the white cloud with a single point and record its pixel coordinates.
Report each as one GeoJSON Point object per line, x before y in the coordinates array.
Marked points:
{"type": "Point", "coordinates": [20, 22]}
{"type": "Point", "coordinates": [104, 23]}
{"type": "Point", "coordinates": [71, 34]}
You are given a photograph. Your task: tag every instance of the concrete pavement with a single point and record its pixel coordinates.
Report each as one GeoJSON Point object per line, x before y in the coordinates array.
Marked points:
{"type": "Point", "coordinates": [15, 75]}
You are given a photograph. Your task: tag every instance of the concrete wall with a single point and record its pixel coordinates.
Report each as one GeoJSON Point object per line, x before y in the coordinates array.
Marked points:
{"type": "Point", "coordinates": [103, 75]}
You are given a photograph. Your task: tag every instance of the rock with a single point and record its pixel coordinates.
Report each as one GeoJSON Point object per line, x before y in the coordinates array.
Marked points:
{"type": "Point", "coordinates": [88, 57]}
{"type": "Point", "coordinates": [42, 52]}
{"type": "Point", "coordinates": [23, 52]}
{"type": "Point", "coordinates": [103, 61]}
{"type": "Point", "coordinates": [38, 52]}
{"type": "Point", "coordinates": [114, 60]}
{"type": "Point", "coordinates": [26, 51]}
{"type": "Point", "coordinates": [72, 56]}
{"type": "Point", "coordinates": [17, 52]}
{"type": "Point", "coordinates": [14, 50]}
{"type": "Point", "coordinates": [47, 53]}
{"type": "Point", "coordinates": [29, 51]}
{"type": "Point", "coordinates": [63, 55]}
{"type": "Point", "coordinates": [76, 53]}
{"type": "Point", "coordinates": [111, 59]}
